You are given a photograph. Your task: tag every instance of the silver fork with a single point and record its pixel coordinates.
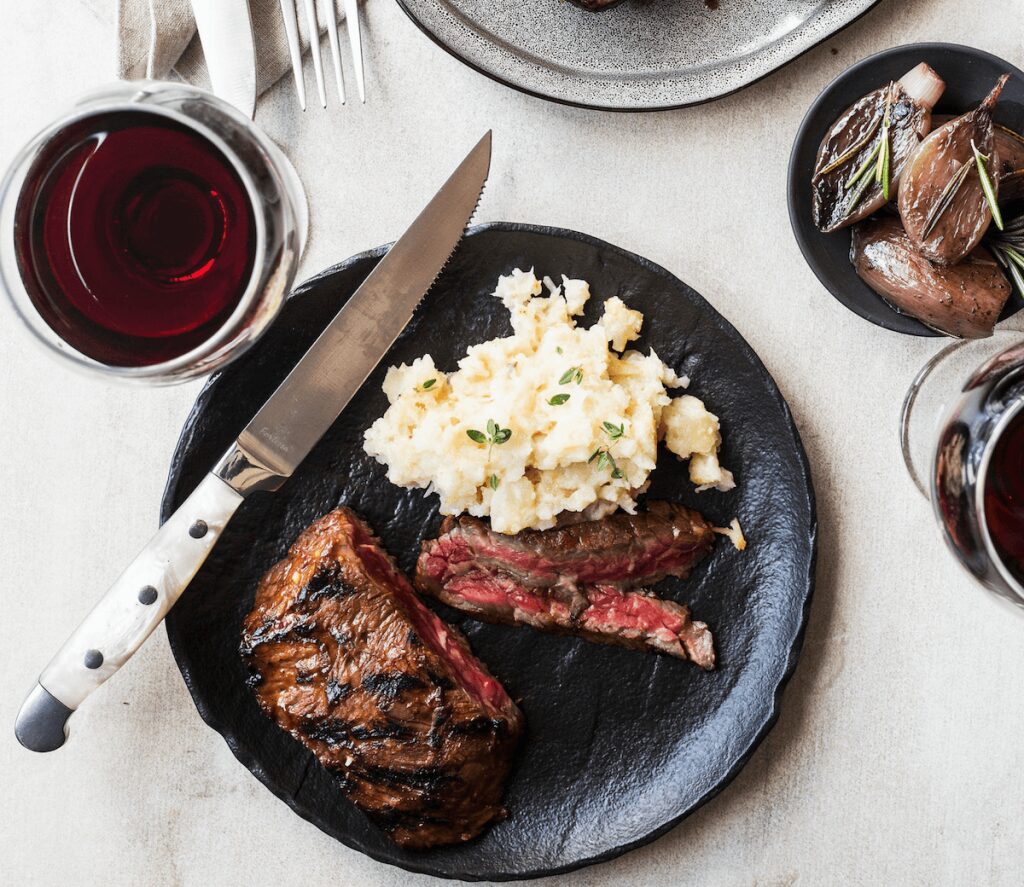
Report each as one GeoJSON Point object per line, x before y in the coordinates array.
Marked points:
{"type": "Point", "coordinates": [291, 28]}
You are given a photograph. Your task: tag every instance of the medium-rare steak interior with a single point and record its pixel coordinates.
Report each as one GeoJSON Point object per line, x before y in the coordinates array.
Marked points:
{"type": "Point", "coordinates": [579, 579]}
{"type": "Point", "coordinates": [346, 658]}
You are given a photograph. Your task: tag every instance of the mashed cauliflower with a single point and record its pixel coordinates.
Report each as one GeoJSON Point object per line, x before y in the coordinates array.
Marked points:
{"type": "Point", "coordinates": [546, 421]}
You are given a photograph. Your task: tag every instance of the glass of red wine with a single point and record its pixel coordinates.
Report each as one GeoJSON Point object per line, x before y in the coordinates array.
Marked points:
{"type": "Point", "coordinates": [151, 234]}
{"type": "Point", "coordinates": [963, 443]}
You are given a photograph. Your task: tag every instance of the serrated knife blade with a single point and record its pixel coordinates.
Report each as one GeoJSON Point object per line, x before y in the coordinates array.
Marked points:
{"type": "Point", "coordinates": [317, 390]}
{"type": "Point", "coordinates": [225, 30]}
{"type": "Point", "coordinates": [268, 450]}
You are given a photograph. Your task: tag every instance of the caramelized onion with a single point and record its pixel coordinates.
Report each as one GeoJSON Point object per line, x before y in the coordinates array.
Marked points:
{"type": "Point", "coordinates": [941, 201]}
{"type": "Point", "coordinates": [841, 197]}
{"type": "Point", "coordinates": [962, 300]}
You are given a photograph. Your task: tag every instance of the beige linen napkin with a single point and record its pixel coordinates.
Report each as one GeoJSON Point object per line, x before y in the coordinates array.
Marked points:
{"type": "Point", "coordinates": [167, 29]}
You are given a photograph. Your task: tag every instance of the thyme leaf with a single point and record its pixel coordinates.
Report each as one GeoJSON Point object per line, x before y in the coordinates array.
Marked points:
{"type": "Point", "coordinates": [429, 384]}
{"type": "Point", "coordinates": [613, 431]}
{"type": "Point", "coordinates": [558, 400]}
{"type": "Point", "coordinates": [570, 375]}
{"type": "Point", "coordinates": [493, 481]}
{"type": "Point", "coordinates": [495, 435]}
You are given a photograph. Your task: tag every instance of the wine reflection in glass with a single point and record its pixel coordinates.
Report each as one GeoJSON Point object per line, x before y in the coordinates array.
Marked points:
{"type": "Point", "coordinates": [962, 431]}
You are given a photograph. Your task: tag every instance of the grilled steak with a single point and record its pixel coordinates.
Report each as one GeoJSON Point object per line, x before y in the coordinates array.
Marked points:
{"type": "Point", "coordinates": [577, 579]}
{"type": "Point", "coordinates": [347, 659]}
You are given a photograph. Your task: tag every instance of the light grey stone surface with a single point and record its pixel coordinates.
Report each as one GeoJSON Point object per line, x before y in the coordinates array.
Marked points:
{"type": "Point", "coordinates": [895, 757]}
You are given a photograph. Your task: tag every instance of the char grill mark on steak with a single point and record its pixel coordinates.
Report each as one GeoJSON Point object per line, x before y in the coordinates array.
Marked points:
{"type": "Point", "coordinates": [577, 579]}
{"type": "Point", "coordinates": [386, 695]}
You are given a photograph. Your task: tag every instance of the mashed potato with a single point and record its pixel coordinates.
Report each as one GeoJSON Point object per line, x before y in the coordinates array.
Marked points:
{"type": "Point", "coordinates": [546, 421]}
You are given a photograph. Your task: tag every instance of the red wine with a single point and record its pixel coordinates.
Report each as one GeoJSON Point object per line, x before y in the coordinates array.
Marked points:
{"type": "Point", "coordinates": [1004, 496]}
{"type": "Point", "coordinates": [135, 237]}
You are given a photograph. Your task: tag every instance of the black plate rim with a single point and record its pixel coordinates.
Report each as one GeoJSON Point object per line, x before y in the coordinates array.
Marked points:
{"type": "Point", "coordinates": [887, 317]}
{"type": "Point", "coordinates": [795, 649]}
{"type": "Point", "coordinates": [623, 109]}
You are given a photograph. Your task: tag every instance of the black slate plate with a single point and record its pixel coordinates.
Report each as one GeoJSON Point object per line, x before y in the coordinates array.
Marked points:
{"type": "Point", "coordinates": [620, 745]}
{"type": "Point", "coordinates": [969, 74]}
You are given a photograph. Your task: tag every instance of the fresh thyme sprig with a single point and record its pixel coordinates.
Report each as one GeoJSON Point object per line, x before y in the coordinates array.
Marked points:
{"type": "Point", "coordinates": [603, 455]}
{"type": "Point", "coordinates": [495, 434]}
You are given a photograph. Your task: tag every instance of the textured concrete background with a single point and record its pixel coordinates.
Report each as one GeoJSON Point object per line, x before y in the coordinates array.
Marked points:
{"type": "Point", "coordinates": [895, 759]}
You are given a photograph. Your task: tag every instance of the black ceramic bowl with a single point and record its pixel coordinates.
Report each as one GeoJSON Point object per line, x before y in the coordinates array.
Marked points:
{"type": "Point", "coordinates": [969, 74]}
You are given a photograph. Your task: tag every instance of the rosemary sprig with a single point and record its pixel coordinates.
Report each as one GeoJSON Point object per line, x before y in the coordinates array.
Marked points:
{"type": "Point", "coordinates": [857, 194]}
{"type": "Point", "coordinates": [882, 169]}
{"type": "Point", "coordinates": [1013, 262]}
{"type": "Point", "coordinates": [986, 186]}
{"type": "Point", "coordinates": [865, 166]}
{"type": "Point", "coordinates": [945, 198]}
{"type": "Point", "coordinates": [853, 151]}
{"type": "Point", "coordinates": [1008, 248]}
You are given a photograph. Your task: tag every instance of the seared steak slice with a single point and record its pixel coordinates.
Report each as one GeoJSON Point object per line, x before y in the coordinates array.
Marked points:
{"type": "Point", "coordinates": [577, 579]}
{"type": "Point", "coordinates": [347, 659]}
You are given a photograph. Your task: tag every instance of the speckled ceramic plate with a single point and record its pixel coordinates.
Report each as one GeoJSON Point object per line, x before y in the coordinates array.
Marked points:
{"type": "Point", "coordinates": [619, 745]}
{"type": "Point", "coordinates": [641, 55]}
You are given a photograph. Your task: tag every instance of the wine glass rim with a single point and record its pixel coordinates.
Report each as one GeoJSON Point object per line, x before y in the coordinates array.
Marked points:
{"type": "Point", "coordinates": [101, 102]}
{"type": "Point", "coordinates": [1004, 421]}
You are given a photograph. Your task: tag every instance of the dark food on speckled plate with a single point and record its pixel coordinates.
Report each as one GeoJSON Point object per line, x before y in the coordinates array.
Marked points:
{"type": "Point", "coordinates": [577, 579]}
{"type": "Point", "coordinates": [347, 659]}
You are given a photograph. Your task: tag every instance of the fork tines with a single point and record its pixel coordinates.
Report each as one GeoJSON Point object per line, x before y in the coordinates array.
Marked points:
{"type": "Point", "coordinates": [291, 27]}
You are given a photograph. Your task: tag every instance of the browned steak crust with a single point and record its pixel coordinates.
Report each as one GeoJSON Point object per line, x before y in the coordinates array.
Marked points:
{"type": "Point", "coordinates": [348, 660]}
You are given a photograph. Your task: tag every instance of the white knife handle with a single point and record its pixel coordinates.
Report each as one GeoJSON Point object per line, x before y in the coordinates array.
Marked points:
{"type": "Point", "coordinates": [127, 614]}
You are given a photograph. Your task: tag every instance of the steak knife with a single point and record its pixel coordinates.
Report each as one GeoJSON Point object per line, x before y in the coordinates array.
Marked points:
{"type": "Point", "coordinates": [225, 30]}
{"type": "Point", "coordinates": [263, 457]}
